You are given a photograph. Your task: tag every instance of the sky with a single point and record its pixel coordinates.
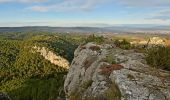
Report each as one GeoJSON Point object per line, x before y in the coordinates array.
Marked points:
{"type": "Point", "coordinates": [69, 13]}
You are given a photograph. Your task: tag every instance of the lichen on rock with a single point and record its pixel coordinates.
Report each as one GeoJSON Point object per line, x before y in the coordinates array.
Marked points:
{"type": "Point", "coordinates": [130, 78]}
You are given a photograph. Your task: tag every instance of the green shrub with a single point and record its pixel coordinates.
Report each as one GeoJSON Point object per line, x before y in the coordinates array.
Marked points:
{"type": "Point", "coordinates": [113, 93]}
{"type": "Point", "coordinates": [110, 59]}
{"type": "Point", "coordinates": [75, 96]}
{"type": "Point", "coordinates": [94, 38]}
{"type": "Point", "coordinates": [130, 77]}
{"type": "Point", "coordinates": [123, 44]}
{"type": "Point", "coordinates": [159, 57]}
{"type": "Point", "coordinates": [87, 84]}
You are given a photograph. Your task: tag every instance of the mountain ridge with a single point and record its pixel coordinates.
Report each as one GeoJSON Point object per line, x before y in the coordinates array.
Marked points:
{"type": "Point", "coordinates": [111, 29]}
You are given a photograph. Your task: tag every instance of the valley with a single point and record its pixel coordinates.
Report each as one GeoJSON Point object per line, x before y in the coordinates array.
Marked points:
{"type": "Point", "coordinates": [33, 65]}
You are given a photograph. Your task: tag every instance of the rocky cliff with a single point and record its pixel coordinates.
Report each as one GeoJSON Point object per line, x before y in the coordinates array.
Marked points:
{"type": "Point", "coordinates": [104, 72]}
{"type": "Point", "coordinates": [52, 57]}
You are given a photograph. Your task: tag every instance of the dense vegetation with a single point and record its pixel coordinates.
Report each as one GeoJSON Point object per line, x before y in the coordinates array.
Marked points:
{"type": "Point", "coordinates": [159, 57]}
{"type": "Point", "coordinates": [26, 75]}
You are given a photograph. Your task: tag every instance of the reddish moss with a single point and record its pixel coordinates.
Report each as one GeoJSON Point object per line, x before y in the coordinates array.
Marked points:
{"type": "Point", "coordinates": [94, 48]}
{"type": "Point", "coordinates": [107, 69]}
{"type": "Point", "coordinates": [82, 47]}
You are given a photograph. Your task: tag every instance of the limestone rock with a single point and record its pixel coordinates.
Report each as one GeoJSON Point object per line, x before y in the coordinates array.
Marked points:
{"type": "Point", "coordinates": [91, 75]}
{"type": "Point", "coordinates": [52, 57]}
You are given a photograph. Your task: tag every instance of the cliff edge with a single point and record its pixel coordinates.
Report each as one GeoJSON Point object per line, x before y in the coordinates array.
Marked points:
{"type": "Point", "coordinates": [105, 72]}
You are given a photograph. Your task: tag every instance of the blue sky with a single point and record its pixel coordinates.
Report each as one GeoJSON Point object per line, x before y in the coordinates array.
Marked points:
{"type": "Point", "coordinates": [83, 12]}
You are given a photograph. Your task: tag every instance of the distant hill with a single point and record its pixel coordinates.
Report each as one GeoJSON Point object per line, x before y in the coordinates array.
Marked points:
{"type": "Point", "coordinates": [119, 28]}
{"type": "Point", "coordinates": [54, 29]}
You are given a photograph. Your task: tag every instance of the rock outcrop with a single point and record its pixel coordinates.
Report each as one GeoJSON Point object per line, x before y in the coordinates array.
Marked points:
{"type": "Point", "coordinates": [52, 57]}
{"type": "Point", "coordinates": [104, 72]}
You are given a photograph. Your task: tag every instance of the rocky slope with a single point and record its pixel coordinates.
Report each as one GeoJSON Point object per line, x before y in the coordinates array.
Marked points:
{"type": "Point", "coordinates": [52, 57]}
{"type": "Point", "coordinates": [104, 72]}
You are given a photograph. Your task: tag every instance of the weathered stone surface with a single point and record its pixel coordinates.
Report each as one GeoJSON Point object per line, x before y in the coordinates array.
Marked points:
{"type": "Point", "coordinates": [135, 80]}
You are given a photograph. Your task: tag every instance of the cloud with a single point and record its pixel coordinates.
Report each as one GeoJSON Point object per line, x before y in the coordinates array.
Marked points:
{"type": "Point", "coordinates": [69, 5]}
{"type": "Point", "coordinates": [3, 1]}
{"type": "Point", "coordinates": [165, 18]}
{"type": "Point", "coordinates": [158, 9]}
{"type": "Point", "coordinates": [22, 1]}
{"type": "Point", "coordinates": [161, 15]}
{"type": "Point", "coordinates": [144, 3]}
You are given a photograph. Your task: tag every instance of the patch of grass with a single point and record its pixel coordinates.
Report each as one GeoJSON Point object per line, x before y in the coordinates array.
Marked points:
{"type": "Point", "coordinates": [91, 98]}
{"type": "Point", "coordinates": [75, 96]}
{"type": "Point", "coordinates": [130, 77]}
{"type": "Point", "coordinates": [110, 59]}
{"type": "Point", "coordinates": [87, 84]}
{"type": "Point", "coordinates": [123, 44]}
{"type": "Point", "coordinates": [113, 93]}
{"type": "Point", "coordinates": [159, 57]}
{"type": "Point", "coordinates": [95, 38]}
{"type": "Point", "coordinates": [139, 50]}
{"type": "Point", "coordinates": [99, 97]}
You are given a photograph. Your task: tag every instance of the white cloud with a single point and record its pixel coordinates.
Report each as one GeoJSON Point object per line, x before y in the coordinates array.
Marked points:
{"type": "Point", "coordinates": [159, 9]}
{"type": "Point", "coordinates": [22, 1]}
{"type": "Point", "coordinates": [69, 5]}
{"type": "Point", "coordinates": [144, 3]}
{"type": "Point", "coordinates": [163, 15]}
{"type": "Point", "coordinates": [3, 1]}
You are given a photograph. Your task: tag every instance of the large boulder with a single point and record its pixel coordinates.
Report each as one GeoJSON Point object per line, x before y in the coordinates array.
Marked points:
{"type": "Point", "coordinates": [104, 72]}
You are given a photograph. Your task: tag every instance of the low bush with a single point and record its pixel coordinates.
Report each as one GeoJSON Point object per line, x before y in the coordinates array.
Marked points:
{"type": "Point", "coordinates": [130, 77]}
{"type": "Point", "coordinates": [87, 84]}
{"type": "Point", "coordinates": [159, 57]}
{"type": "Point", "coordinates": [110, 59]}
{"type": "Point", "coordinates": [113, 93]}
{"type": "Point", "coordinates": [123, 44]}
{"type": "Point", "coordinates": [95, 38]}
